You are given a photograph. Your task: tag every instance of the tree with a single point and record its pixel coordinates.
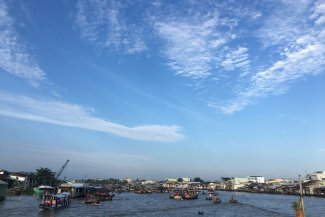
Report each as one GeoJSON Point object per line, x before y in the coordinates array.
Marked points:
{"type": "Point", "coordinates": [45, 176]}
{"type": "Point", "coordinates": [198, 179]}
{"type": "Point", "coordinates": [179, 180]}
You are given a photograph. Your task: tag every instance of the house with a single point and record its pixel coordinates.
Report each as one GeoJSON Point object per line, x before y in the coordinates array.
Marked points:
{"type": "Point", "coordinates": [313, 186]}
{"type": "Point", "coordinates": [186, 179]}
{"type": "Point", "coordinates": [3, 190]}
{"type": "Point", "coordinates": [236, 182]}
{"type": "Point", "coordinates": [256, 179]}
{"type": "Point", "coordinates": [20, 177]}
{"type": "Point", "coordinates": [76, 189]}
{"type": "Point", "coordinates": [318, 175]}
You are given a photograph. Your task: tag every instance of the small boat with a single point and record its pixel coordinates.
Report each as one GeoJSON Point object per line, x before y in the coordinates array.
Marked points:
{"type": "Point", "coordinates": [211, 195]}
{"type": "Point", "coordinates": [216, 200]}
{"type": "Point", "coordinates": [53, 201]}
{"type": "Point", "coordinates": [190, 196]}
{"type": "Point", "coordinates": [177, 197]}
{"type": "Point", "coordinates": [233, 200]}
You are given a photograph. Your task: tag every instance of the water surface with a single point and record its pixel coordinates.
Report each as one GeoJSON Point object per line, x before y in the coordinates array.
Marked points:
{"type": "Point", "coordinates": [159, 205]}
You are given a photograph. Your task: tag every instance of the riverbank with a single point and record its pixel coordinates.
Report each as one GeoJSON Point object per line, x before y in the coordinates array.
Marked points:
{"type": "Point", "coordinates": [272, 192]}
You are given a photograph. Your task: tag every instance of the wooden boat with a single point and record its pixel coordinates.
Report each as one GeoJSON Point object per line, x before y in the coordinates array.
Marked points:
{"type": "Point", "coordinates": [53, 201]}
{"type": "Point", "coordinates": [190, 196]}
{"type": "Point", "coordinates": [216, 200]}
{"type": "Point", "coordinates": [233, 200]}
{"type": "Point", "coordinates": [211, 195]}
{"type": "Point", "coordinates": [44, 189]}
{"type": "Point", "coordinates": [177, 197]}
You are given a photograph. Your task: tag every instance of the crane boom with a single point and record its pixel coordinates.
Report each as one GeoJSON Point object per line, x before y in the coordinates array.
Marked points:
{"type": "Point", "coordinates": [61, 170]}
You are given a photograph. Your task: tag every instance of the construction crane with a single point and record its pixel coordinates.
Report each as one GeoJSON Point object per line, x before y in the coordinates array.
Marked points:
{"type": "Point", "coordinates": [61, 170]}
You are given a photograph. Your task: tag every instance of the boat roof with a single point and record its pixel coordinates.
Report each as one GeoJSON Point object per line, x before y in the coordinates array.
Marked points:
{"type": "Point", "coordinates": [62, 195]}
{"type": "Point", "coordinates": [45, 187]}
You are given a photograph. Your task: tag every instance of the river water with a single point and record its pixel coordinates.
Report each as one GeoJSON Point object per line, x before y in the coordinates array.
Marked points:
{"type": "Point", "coordinates": [159, 205]}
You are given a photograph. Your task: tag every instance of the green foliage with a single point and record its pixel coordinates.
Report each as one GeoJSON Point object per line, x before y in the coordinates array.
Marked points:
{"type": "Point", "coordinates": [296, 205]}
{"type": "Point", "coordinates": [45, 176]}
{"type": "Point", "coordinates": [198, 179]}
{"type": "Point", "coordinates": [180, 180]}
{"type": "Point", "coordinates": [109, 181]}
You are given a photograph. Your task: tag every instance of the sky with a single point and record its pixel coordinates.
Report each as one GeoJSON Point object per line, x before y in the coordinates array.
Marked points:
{"type": "Point", "coordinates": [157, 89]}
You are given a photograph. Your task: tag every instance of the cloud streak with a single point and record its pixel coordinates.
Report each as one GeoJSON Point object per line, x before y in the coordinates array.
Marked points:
{"type": "Point", "coordinates": [62, 113]}
{"type": "Point", "coordinates": [102, 24]}
{"type": "Point", "coordinates": [191, 44]}
{"type": "Point", "coordinates": [14, 56]}
{"type": "Point", "coordinates": [302, 54]}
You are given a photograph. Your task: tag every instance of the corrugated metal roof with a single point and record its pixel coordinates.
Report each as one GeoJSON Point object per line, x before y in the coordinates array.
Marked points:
{"type": "Point", "coordinates": [3, 183]}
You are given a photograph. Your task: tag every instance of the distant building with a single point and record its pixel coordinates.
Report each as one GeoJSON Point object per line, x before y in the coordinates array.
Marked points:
{"type": "Point", "coordinates": [18, 176]}
{"type": "Point", "coordinates": [186, 179]}
{"type": "Point", "coordinates": [171, 179]}
{"type": "Point", "coordinates": [148, 182]}
{"type": "Point", "coordinates": [236, 183]}
{"type": "Point", "coordinates": [129, 180]}
{"type": "Point", "coordinates": [276, 181]}
{"type": "Point", "coordinates": [76, 189]}
{"type": "Point", "coordinates": [256, 179]}
{"type": "Point", "coordinates": [319, 175]}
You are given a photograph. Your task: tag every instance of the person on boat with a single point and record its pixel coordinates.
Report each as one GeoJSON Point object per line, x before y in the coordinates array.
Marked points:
{"type": "Point", "coordinates": [54, 202]}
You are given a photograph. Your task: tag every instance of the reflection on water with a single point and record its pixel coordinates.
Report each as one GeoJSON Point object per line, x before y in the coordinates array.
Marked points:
{"type": "Point", "coordinates": [130, 204]}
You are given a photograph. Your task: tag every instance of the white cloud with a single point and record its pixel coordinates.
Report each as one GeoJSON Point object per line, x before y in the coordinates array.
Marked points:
{"type": "Point", "coordinates": [102, 24]}
{"type": "Point", "coordinates": [62, 113]}
{"type": "Point", "coordinates": [192, 43]}
{"type": "Point", "coordinates": [14, 56]}
{"type": "Point", "coordinates": [301, 51]}
{"type": "Point", "coordinates": [235, 59]}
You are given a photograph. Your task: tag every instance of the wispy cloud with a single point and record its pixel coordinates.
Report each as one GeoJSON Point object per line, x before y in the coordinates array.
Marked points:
{"type": "Point", "coordinates": [300, 52]}
{"type": "Point", "coordinates": [102, 23]}
{"type": "Point", "coordinates": [14, 55]}
{"type": "Point", "coordinates": [237, 59]}
{"type": "Point", "coordinates": [62, 113]}
{"type": "Point", "coordinates": [192, 44]}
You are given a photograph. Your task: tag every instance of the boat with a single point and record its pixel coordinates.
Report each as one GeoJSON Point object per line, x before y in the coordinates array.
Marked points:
{"type": "Point", "coordinates": [216, 200]}
{"type": "Point", "coordinates": [211, 195]}
{"type": "Point", "coordinates": [44, 189]}
{"type": "Point", "coordinates": [54, 201]}
{"type": "Point", "coordinates": [177, 197]}
{"type": "Point", "coordinates": [233, 200]}
{"type": "Point", "coordinates": [190, 195]}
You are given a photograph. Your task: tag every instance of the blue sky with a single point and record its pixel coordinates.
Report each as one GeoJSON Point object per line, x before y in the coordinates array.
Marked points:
{"type": "Point", "coordinates": [156, 89]}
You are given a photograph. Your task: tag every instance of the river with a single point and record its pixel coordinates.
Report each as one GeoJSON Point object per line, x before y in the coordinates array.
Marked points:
{"type": "Point", "coordinates": [159, 205]}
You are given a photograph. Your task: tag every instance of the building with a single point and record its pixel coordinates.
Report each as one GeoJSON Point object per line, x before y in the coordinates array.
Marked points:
{"type": "Point", "coordinates": [3, 190]}
{"type": "Point", "coordinates": [236, 183]}
{"type": "Point", "coordinates": [129, 180]}
{"type": "Point", "coordinates": [256, 179]}
{"type": "Point", "coordinates": [276, 181]}
{"type": "Point", "coordinates": [171, 179]}
{"type": "Point", "coordinates": [18, 177]}
{"type": "Point", "coordinates": [186, 179]}
{"type": "Point", "coordinates": [318, 175]}
{"type": "Point", "coordinates": [76, 189]}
